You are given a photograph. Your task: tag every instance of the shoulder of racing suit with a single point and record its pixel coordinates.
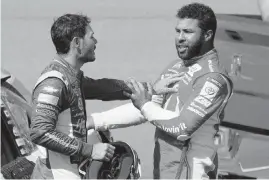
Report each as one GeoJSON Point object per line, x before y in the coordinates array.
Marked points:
{"type": "Point", "coordinates": [211, 68]}
{"type": "Point", "coordinates": [51, 96]}
{"type": "Point", "coordinates": [49, 99]}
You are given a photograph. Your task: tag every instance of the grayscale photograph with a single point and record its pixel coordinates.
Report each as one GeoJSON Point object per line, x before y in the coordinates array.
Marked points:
{"type": "Point", "coordinates": [134, 89]}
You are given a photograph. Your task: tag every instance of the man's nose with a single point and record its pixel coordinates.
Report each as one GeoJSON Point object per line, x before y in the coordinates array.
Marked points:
{"type": "Point", "coordinates": [181, 37]}
{"type": "Point", "coordinates": [95, 40]}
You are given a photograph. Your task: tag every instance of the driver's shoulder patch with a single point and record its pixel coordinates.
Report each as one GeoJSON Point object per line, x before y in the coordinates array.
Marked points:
{"type": "Point", "coordinates": [48, 99]}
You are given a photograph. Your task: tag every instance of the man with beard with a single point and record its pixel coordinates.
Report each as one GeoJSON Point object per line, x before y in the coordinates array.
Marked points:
{"type": "Point", "coordinates": [58, 122]}
{"type": "Point", "coordinates": [187, 121]}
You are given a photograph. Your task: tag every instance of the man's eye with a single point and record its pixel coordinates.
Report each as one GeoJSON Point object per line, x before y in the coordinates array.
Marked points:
{"type": "Point", "coordinates": [188, 31]}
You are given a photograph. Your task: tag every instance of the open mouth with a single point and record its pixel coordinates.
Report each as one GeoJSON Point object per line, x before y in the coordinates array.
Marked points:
{"type": "Point", "coordinates": [182, 49]}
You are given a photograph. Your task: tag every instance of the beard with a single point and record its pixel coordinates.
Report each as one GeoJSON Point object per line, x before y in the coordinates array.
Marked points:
{"type": "Point", "coordinates": [89, 57]}
{"type": "Point", "coordinates": [190, 51]}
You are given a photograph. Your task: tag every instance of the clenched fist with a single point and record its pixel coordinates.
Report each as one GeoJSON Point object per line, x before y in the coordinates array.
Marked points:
{"type": "Point", "coordinates": [102, 151]}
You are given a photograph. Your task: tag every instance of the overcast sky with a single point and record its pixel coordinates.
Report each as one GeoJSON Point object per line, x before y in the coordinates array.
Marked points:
{"type": "Point", "coordinates": [115, 8]}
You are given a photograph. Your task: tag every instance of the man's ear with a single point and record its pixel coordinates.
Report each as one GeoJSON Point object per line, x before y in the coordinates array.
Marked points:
{"type": "Point", "coordinates": [76, 43]}
{"type": "Point", "coordinates": [208, 35]}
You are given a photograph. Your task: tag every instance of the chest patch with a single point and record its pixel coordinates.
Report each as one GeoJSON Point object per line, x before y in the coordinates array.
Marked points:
{"type": "Point", "coordinates": [193, 69]}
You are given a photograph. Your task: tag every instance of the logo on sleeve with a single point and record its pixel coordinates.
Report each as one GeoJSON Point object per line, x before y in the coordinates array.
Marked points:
{"type": "Point", "coordinates": [199, 113]}
{"type": "Point", "coordinates": [50, 89]}
{"type": "Point", "coordinates": [211, 67]}
{"type": "Point", "coordinates": [203, 101]}
{"type": "Point", "coordinates": [48, 99]}
{"type": "Point", "coordinates": [209, 90]}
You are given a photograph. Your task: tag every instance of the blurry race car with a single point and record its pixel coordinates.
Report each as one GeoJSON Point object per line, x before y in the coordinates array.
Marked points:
{"type": "Point", "coordinates": [243, 44]}
{"type": "Point", "coordinates": [17, 151]}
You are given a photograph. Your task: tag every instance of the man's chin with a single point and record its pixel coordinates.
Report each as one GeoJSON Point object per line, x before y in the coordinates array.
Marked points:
{"type": "Point", "coordinates": [183, 56]}
{"type": "Point", "coordinates": [93, 59]}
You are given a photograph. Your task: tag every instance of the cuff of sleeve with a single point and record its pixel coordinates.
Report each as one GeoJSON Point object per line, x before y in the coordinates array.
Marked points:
{"type": "Point", "coordinates": [157, 99]}
{"type": "Point", "coordinates": [122, 116]}
{"type": "Point", "coordinates": [86, 150]}
{"type": "Point", "coordinates": [99, 124]}
{"type": "Point", "coordinates": [148, 110]}
{"type": "Point", "coordinates": [152, 111]}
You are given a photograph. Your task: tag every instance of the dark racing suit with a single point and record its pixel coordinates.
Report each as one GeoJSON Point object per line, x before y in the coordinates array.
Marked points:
{"type": "Point", "coordinates": [198, 110]}
{"type": "Point", "coordinates": [58, 123]}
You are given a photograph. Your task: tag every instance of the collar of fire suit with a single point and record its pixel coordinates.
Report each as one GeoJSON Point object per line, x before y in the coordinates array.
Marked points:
{"type": "Point", "coordinates": [76, 73]}
{"type": "Point", "coordinates": [197, 58]}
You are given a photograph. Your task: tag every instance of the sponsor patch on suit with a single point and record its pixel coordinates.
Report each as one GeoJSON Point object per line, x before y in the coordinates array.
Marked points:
{"type": "Point", "coordinates": [193, 69]}
{"type": "Point", "coordinates": [50, 89]}
{"type": "Point", "coordinates": [209, 90]}
{"type": "Point", "coordinates": [203, 101]}
{"type": "Point", "coordinates": [48, 99]}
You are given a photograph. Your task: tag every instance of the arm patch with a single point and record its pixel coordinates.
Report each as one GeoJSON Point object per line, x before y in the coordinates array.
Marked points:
{"type": "Point", "coordinates": [48, 99]}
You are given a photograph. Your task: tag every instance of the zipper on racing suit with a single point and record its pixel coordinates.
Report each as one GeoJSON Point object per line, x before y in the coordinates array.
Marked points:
{"type": "Point", "coordinates": [183, 160]}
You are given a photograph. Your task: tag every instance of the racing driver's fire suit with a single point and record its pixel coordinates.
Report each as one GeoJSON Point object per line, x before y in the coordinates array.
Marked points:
{"type": "Point", "coordinates": [186, 122]}
{"type": "Point", "coordinates": [198, 109]}
{"type": "Point", "coordinates": [58, 123]}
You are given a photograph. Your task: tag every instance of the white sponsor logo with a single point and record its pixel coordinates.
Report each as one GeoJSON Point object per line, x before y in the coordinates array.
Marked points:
{"type": "Point", "coordinates": [46, 106]}
{"type": "Point", "coordinates": [209, 90]}
{"type": "Point", "coordinates": [7, 113]}
{"type": "Point", "coordinates": [202, 101]}
{"type": "Point", "coordinates": [79, 114]}
{"type": "Point", "coordinates": [60, 140]}
{"type": "Point", "coordinates": [210, 64]}
{"type": "Point", "coordinates": [196, 111]}
{"type": "Point", "coordinates": [47, 112]}
{"type": "Point", "coordinates": [194, 68]}
{"type": "Point", "coordinates": [50, 89]}
{"type": "Point", "coordinates": [48, 99]}
{"type": "Point", "coordinates": [188, 77]}
{"type": "Point", "coordinates": [198, 107]}
{"type": "Point", "coordinates": [175, 129]}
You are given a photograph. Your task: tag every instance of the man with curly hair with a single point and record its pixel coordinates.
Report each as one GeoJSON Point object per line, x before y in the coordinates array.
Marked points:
{"type": "Point", "coordinates": [186, 122]}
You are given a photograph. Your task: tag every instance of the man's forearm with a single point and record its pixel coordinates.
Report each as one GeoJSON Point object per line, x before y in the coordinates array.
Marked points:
{"type": "Point", "coordinates": [119, 117]}
{"type": "Point", "coordinates": [152, 111]}
{"type": "Point", "coordinates": [104, 89]}
{"type": "Point", "coordinates": [46, 136]}
{"type": "Point", "coordinates": [166, 120]}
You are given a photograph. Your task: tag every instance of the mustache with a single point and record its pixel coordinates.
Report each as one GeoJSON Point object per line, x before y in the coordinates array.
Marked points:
{"type": "Point", "coordinates": [181, 45]}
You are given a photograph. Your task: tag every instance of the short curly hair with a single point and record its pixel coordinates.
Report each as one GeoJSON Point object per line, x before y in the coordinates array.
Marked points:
{"type": "Point", "coordinates": [65, 28]}
{"type": "Point", "coordinates": [205, 15]}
